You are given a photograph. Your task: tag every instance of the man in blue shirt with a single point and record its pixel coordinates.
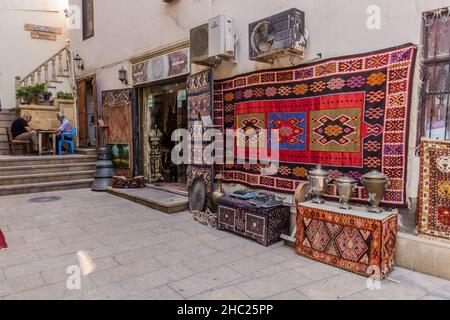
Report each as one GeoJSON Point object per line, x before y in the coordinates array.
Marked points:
{"type": "Point", "coordinates": [65, 127]}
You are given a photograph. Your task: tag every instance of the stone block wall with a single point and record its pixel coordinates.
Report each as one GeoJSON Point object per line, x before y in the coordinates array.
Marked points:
{"type": "Point", "coordinates": [44, 116]}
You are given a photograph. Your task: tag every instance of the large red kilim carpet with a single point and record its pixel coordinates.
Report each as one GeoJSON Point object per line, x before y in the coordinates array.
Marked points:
{"type": "Point", "coordinates": [350, 114]}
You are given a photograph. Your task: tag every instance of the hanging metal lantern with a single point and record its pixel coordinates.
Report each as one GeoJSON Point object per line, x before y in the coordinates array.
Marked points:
{"type": "Point", "coordinates": [123, 76]}
{"type": "Point", "coordinates": [104, 170]}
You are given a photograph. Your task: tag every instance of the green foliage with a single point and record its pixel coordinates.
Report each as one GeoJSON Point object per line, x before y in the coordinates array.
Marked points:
{"type": "Point", "coordinates": [64, 95]}
{"type": "Point", "coordinates": [38, 89]}
{"type": "Point", "coordinates": [23, 93]}
{"type": "Point", "coordinates": [29, 93]}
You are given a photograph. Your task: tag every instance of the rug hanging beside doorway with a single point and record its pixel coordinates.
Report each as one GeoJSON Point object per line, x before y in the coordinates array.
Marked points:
{"type": "Point", "coordinates": [199, 92]}
{"type": "Point", "coordinates": [349, 114]}
{"type": "Point", "coordinates": [434, 197]}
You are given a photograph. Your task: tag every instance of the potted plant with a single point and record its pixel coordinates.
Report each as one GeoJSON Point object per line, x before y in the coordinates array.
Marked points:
{"type": "Point", "coordinates": [47, 95]}
{"type": "Point", "coordinates": [37, 91]}
{"type": "Point", "coordinates": [64, 95]}
{"type": "Point", "coordinates": [24, 94]}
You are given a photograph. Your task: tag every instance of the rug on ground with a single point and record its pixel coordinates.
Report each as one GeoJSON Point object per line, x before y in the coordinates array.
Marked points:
{"type": "Point", "coordinates": [349, 114]}
{"type": "Point", "coordinates": [3, 244]}
{"type": "Point", "coordinates": [434, 197]}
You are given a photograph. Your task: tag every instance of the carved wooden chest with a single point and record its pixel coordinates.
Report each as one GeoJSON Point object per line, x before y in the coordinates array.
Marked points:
{"type": "Point", "coordinates": [264, 225]}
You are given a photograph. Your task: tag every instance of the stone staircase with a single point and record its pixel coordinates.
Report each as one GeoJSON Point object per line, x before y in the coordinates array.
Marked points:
{"type": "Point", "coordinates": [56, 72]}
{"type": "Point", "coordinates": [19, 175]}
{"type": "Point", "coordinates": [6, 118]}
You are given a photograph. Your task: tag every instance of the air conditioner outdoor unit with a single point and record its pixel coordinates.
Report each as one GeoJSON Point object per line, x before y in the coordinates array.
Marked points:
{"type": "Point", "coordinates": [212, 41]}
{"type": "Point", "coordinates": [278, 35]}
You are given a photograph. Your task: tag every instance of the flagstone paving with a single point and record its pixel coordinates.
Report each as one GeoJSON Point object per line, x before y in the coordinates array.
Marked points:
{"type": "Point", "coordinates": [141, 253]}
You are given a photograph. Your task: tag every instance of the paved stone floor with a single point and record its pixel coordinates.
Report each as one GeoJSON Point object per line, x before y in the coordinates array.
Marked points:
{"type": "Point", "coordinates": [144, 254]}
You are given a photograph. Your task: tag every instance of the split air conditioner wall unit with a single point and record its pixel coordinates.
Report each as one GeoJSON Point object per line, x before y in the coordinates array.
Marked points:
{"type": "Point", "coordinates": [278, 35]}
{"type": "Point", "coordinates": [212, 41]}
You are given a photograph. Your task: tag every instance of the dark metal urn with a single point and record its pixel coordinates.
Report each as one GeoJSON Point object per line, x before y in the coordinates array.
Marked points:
{"type": "Point", "coordinates": [104, 170]}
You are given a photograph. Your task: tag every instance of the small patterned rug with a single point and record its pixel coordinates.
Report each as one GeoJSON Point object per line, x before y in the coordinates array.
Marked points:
{"type": "Point", "coordinates": [434, 207]}
{"type": "Point", "coordinates": [3, 244]}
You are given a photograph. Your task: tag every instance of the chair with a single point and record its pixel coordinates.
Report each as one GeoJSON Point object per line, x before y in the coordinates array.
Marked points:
{"type": "Point", "coordinates": [23, 144]}
{"type": "Point", "coordinates": [71, 142]}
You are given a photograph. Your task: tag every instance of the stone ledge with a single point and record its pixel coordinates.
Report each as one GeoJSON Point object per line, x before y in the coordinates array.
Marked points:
{"type": "Point", "coordinates": [423, 255]}
{"type": "Point", "coordinates": [152, 198]}
{"type": "Point", "coordinates": [38, 107]}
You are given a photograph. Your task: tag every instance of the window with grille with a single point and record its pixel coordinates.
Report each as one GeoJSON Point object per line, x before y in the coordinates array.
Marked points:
{"type": "Point", "coordinates": [88, 19]}
{"type": "Point", "coordinates": [434, 114]}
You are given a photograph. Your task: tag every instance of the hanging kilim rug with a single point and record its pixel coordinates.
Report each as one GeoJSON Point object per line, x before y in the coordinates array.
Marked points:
{"type": "Point", "coordinates": [3, 244]}
{"type": "Point", "coordinates": [349, 114]}
{"type": "Point", "coordinates": [199, 92]}
{"type": "Point", "coordinates": [434, 197]}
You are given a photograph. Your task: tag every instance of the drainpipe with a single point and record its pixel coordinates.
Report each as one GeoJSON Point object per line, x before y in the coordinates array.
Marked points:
{"type": "Point", "coordinates": [73, 87]}
{"type": "Point", "coordinates": [17, 86]}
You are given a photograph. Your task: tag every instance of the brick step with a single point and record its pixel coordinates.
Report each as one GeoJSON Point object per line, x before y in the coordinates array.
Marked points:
{"type": "Point", "coordinates": [45, 187]}
{"type": "Point", "coordinates": [8, 116]}
{"type": "Point", "coordinates": [45, 177]}
{"type": "Point", "coordinates": [36, 160]}
{"type": "Point", "coordinates": [4, 145]}
{"type": "Point", "coordinates": [4, 152]}
{"type": "Point", "coordinates": [46, 168]}
{"type": "Point", "coordinates": [3, 137]}
{"type": "Point", "coordinates": [5, 123]}
{"type": "Point", "coordinates": [86, 151]}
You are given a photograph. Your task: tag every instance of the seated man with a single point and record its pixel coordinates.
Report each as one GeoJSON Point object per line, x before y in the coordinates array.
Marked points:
{"type": "Point", "coordinates": [20, 130]}
{"type": "Point", "coordinates": [65, 127]}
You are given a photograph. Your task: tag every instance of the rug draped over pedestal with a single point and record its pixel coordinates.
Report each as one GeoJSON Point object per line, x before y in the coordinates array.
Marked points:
{"type": "Point", "coordinates": [358, 242]}
{"type": "Point", "coordinates": [434, 197]}
{"type": "Point", "coordinates": [350, 114]}
{"type": "Point", "coordinates": [3, 244]}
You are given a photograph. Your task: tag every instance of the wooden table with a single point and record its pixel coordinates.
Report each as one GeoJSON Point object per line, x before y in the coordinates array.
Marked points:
{"type": "Point", "coordinates": [354, 240]}
{"type": "Point", "coordinates": [42, 133]}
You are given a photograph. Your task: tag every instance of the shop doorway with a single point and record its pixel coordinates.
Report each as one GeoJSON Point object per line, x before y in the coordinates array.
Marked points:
{"type": "Point", "coordinates": [164, 110]}
{"type": "Point", "coordinates": [87, 106]}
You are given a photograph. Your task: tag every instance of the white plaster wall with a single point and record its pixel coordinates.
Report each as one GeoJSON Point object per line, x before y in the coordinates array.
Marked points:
{"type": "Point", "coordinates": [19, 53]}
{"type": "Point", "coordinates": [124, 29]}
{"type": "Point", "coordinates": [337, 27]}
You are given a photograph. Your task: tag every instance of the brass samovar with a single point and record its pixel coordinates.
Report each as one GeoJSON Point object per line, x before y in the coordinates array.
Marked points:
{"type": "Point", "coordinates": [375, 184]}
{"type": "Point", "coordinates": [318, 180]}
{"type": "Point", "coordinates": [345, 186]}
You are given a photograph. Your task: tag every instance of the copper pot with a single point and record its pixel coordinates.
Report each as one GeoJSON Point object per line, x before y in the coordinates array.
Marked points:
{"type": "Point", "coordinates": [218, 193]}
